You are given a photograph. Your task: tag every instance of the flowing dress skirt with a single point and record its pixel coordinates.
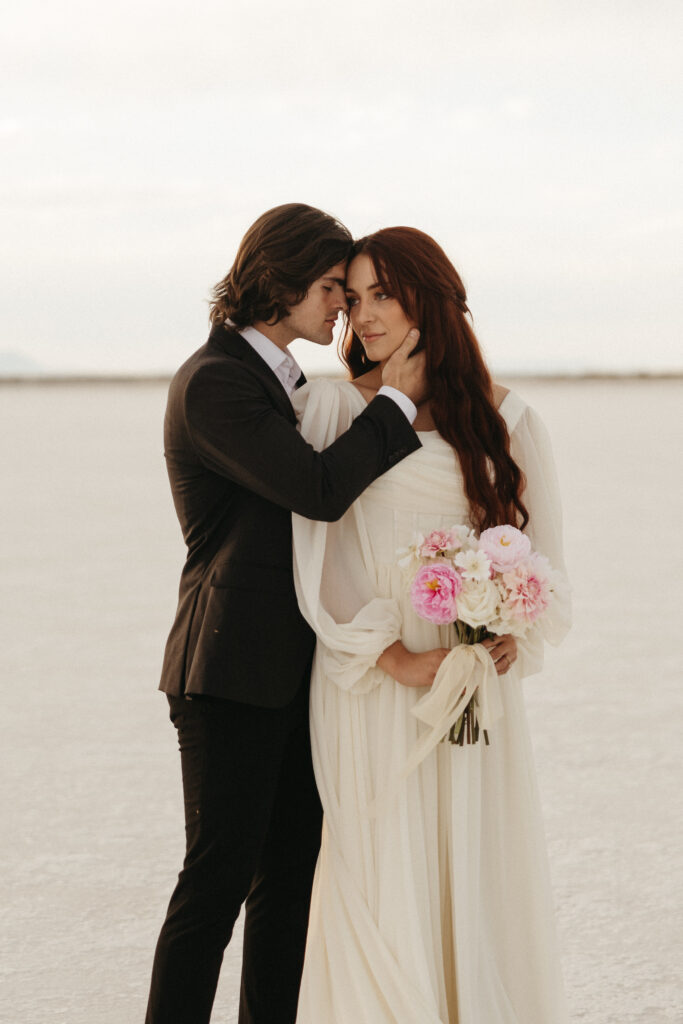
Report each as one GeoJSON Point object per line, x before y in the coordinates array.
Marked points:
{"type": "Point", "coordinates": [431, 902]}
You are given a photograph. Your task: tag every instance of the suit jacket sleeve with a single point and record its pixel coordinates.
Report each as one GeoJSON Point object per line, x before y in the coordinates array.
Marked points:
{"type": "Point", "coordinates": [237, 432]}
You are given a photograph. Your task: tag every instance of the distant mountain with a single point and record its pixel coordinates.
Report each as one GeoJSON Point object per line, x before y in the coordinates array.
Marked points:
{"type": "Point", "coordinates": [17, 364]}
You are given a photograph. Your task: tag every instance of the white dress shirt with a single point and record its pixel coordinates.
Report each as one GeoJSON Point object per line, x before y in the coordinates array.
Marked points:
{"type": "Point", "coordinates": [281, 362]}
{"type": "Point", "coordinates": [288, 371]}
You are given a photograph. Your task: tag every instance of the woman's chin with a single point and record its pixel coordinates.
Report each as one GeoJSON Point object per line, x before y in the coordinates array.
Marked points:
{"type": "Point", "coordinates": [380, 353]}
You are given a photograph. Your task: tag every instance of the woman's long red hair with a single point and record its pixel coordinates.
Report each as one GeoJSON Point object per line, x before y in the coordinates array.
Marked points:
{"type": "Point", "coordinates": [413, 269]}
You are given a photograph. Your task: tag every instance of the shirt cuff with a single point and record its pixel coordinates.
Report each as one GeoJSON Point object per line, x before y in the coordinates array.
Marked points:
{"type": "Point", "coordinates": [405, 404]}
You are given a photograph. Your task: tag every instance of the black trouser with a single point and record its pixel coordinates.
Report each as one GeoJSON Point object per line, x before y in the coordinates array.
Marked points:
{"type": "Point", "coordinates": [252, 821]}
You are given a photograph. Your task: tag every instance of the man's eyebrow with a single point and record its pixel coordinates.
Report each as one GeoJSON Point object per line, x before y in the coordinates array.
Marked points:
{"type": "Point", "coordinates": [337, 280]}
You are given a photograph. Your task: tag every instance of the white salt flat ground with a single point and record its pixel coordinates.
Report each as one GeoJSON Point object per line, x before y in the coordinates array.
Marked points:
{"type": "Point", "coordinates": [91, 808]}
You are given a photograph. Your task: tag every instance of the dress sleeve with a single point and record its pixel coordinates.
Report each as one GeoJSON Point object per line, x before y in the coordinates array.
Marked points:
{"type": "Point", "coordinates": [531, 449]}
{"type": "Point", "coordinates": [333, 564]}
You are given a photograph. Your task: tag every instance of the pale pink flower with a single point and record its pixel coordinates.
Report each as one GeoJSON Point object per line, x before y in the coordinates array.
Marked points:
{"type": "Point", "coordinates": [434, 593]}
{"type": "Point", "coordinates": [504, 546]}
{"type": "Point", "coordinates": [440, 542]}
{"type": "Point", "coordinates": [529, 589]}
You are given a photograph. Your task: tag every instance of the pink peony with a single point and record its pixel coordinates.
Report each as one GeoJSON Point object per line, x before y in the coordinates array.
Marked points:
{"type": "Point", "coordinates": [504, 546]}
{"type": "Point", "coordinates": [438, 542]}
{"type": "Point", "coordinates": [529, 589]}
{"type": "Point", "coordinates": [434, 592]}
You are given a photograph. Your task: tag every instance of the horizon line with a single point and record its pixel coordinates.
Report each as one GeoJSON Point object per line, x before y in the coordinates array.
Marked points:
{"type": "Point", "coordinates": [164, 377]}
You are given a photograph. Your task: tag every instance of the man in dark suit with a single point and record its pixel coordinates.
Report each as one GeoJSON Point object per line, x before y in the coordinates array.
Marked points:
{"type": "Point", "coordinates": [237, 661]}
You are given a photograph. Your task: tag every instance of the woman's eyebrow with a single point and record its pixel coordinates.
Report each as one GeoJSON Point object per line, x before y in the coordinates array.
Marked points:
{"type": "Point", "coordinates": [368, 289]}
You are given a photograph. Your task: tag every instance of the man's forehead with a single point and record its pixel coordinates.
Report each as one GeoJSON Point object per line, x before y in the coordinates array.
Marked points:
{"type": "Point", "coordinates": [336, 274]}
{"type": "Point", "coordinates": [334, 277]}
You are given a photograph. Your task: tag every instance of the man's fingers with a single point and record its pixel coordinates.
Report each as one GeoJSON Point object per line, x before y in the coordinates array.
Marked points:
{"type": "Point", "coordinates": [409, 342]}
{"type": "Point", "coordinates": [406, 371]}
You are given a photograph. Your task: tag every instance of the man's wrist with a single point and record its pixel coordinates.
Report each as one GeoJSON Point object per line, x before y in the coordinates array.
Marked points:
{"type": "Point", "coordinates": [405, 404]}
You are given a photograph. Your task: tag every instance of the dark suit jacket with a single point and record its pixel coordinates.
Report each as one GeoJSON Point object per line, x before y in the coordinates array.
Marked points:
{"type": "Point", "coordinates": [238, 467]}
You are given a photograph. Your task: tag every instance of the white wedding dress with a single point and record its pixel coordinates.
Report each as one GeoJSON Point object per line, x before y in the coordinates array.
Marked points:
{"type": "Point", "coordinates": [431, 902]}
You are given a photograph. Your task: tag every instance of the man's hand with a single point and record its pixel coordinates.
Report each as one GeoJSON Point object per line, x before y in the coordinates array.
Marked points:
{"type": "Point", "coordinates": [410, 669]}
{"type": "Point", "coordinates": [404, 374]}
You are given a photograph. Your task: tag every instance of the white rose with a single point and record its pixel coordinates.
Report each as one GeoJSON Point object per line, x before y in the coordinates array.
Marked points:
{"type": "Point", "coordinates": [478, 603]}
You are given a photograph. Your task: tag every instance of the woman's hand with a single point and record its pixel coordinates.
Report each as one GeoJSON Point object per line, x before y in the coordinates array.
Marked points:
{"type": "Point", "coordinates": [411, 669]}
{"type": "Point", "coordinates": [503, 650]}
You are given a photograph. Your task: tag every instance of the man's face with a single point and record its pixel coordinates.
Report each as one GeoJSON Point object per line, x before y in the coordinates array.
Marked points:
{"type": "Point", "coordinates": [315, 316]}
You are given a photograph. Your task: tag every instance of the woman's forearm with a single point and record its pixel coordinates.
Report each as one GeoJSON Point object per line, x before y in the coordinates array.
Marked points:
{"type": "Point", "coordinates": [408, 668]}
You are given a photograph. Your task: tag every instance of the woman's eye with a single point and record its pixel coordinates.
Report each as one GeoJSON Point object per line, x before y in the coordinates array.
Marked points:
{"type": "Point", "coordinates": [381, 296]}
{"type": "Point", "coordinates": [351, 301]}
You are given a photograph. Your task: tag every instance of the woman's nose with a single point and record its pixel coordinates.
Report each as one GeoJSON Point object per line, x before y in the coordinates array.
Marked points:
{"type": "Point", "coordinates": [364, 313]}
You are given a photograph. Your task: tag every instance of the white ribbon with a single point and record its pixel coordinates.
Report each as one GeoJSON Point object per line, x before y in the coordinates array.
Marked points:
{"type": "Point", "coordinates": [465, 670]}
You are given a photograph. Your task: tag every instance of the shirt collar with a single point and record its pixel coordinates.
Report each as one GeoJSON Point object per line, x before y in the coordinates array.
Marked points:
{"type": "Point", "coordinates": [267, 349]}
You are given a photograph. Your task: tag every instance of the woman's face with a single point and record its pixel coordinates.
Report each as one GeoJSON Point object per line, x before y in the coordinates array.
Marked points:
{"type": "Point", "coordinates": [377, 318]}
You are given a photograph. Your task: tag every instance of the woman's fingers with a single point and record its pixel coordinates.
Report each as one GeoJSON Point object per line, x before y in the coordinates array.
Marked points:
{"type": "Point", "coordinates": [503, 650]}
{"type": "Point", "coordinates": [421, 669]}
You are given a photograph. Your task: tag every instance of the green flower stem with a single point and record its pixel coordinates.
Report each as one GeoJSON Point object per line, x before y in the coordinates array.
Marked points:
{"type": "Point", "coordinates": [466, 728]}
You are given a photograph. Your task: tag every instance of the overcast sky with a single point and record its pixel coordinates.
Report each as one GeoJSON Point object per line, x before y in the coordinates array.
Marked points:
{"type": "Point", "coordinates": [540, 144]}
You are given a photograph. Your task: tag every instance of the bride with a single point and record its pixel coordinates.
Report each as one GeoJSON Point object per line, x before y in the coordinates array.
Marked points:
{"type": "Point", "coordinates": [431, 902]}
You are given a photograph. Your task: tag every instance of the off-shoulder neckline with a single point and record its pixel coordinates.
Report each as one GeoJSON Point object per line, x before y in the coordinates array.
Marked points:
{"type": "Point", "coordinates": [435, 431]}
{"type": "Point", "coordinates": [421, 433]}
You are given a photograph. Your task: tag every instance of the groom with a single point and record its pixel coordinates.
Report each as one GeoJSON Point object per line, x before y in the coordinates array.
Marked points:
{"type": "Point", "coordinates": [237, 661]}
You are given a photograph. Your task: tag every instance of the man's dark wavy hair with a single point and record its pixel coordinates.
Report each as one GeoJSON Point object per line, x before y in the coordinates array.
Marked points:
{"type": "Point", "coordinates": [279, 258]}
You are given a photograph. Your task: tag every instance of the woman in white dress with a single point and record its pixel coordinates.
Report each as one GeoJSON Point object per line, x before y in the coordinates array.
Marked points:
{"type": "Point", "coordinates": [431, 902]}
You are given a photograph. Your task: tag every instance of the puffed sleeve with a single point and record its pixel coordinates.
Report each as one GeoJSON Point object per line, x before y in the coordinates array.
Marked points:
{"type": "Point", "coordinates": [531, 449]}
{"type": "Point", "coordinates": [333, 565]}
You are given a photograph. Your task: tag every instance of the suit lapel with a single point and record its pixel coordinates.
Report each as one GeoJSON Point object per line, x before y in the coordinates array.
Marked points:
{"type": "Point", "coordinates": [233, 344]}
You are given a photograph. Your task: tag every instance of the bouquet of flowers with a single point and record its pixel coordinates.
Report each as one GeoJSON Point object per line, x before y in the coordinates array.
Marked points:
{"type": "Point", "coordinates": [486, 585]}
